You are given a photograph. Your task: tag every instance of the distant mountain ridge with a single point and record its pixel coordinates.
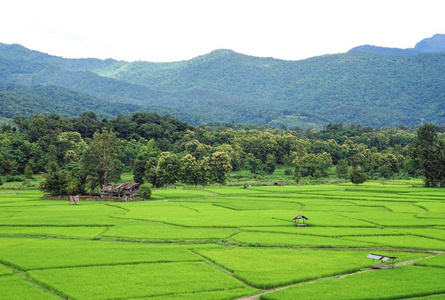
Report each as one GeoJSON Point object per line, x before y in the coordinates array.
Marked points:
{"type": "Point", "coordinates": [434, 44]}
{"type": "Point", "coordinates": [369, 85]}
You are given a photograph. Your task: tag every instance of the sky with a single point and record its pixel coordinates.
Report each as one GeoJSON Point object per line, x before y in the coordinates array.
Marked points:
{"type": "Point", "coordinates": [174, 30]}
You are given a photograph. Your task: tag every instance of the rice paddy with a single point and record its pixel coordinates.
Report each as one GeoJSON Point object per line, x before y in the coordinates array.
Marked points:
{"type": "Point", "coordinates": [226, 243]}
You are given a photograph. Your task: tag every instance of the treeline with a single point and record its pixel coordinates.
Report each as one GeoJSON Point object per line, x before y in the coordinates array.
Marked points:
{"type": "Point", "coordinates": [85, 152]}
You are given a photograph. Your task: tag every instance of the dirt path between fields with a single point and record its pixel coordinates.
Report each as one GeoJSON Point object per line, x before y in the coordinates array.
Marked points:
{"type": "Point", "coordinates": [404, 263]}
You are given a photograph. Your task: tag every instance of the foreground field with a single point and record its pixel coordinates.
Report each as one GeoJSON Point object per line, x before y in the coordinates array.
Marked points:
{"type": "Point", "coordinates": [226, 243]}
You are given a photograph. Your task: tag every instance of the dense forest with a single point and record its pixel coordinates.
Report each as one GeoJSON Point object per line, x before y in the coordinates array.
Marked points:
{"type": "Point", "coordinates": [369, 85]}
{"type": "Point", "coordinates": [81, 154]}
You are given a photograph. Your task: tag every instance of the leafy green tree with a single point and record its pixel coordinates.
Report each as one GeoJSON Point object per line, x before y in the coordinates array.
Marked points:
{"type": "Point", "coordinates": [270, 164]}
{"type": "Point", "coordinates": [167, 169]}
{"type": "Point", "coordinates": [316, 165]}
{"type": "Point", "coordinates": [357, 177]}
{"type": "Point", "coordinates": [431, 154]}
{"type": "Point", "coordinates": [203, 171]}
{"type": "Point", "coordinates": [342, 168]}
{"type": "Point", "coordinates": [101, 158]}
{"type": "Point", "coordinates": [139, 169]}
{"type": "Point", "coordinates": [145, 190]}
{"type": "Point", "coordinates": [189, 170]}
{"type": "Point", "coordinates": [253, 164]}
{"type": "Point", "coordinates": [28, 172]}
{"type": "Point", "coordinates": [151, 171]}
{"type": "Point", "coordinates": [220, 166]}
{"type": "Point", "coordinates": [55, 180]}
{"type": "Point", "coordinates": [197, 149]}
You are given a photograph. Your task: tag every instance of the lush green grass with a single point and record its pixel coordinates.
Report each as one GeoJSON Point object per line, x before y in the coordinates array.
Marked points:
{"type": "Point", "coordinates": [17, 288]}
{"type": "Point", "coordinates": [406, 241]}
{"type": "Point", "coordinates": [395, 283]}
{"type": "Point", "coordinates": [45, 231]}
{"type": "Point", "coordinates": [4, 270]}
{"type": "Point", "coordinates": [327, 231]}
{"type": "Point", "coordinates": [142, 280]}
{"type": "Point", "coordinates": [54, 253]}
{"type": "Point", "coordinates": [295, 240]}
{"type": "Point", "coordinates": [165, 232]}
{"type": "Point", "coordinates": [438, 261]}
{"type": "Point", "coordinates": [114, 250]}
{"type": "Point", "coordinates": [266, 268]}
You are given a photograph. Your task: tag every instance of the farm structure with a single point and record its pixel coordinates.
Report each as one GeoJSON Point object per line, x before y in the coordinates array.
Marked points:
{"type": "Point", "coordinates": [297, 221]}
{"type": "Point", "coordinates": [124, 189]}
{"type": "Point", "coordinates": [279, 183]}
{"type": "Point", "coordinates": [383, 260]}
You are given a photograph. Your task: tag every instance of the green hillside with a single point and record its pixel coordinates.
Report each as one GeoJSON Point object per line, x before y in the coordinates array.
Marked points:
{"type": "Point", "coordinates": [368, 85]}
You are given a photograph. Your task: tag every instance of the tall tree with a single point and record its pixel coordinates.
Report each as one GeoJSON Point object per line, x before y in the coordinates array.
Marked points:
{"type": "Point", "coordinates": [220, 165]}
{"type": "Point", "coordinates": [168, 169]}
{"type": "Point", "coordinates": [101, 158]}
{"type": "Point", "coordinates": [189, 170]}
{"type": "Point", "coordinates": [431, 154]}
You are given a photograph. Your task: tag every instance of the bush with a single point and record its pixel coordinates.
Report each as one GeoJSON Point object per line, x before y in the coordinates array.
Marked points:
{"type": "Point", "coordinates": [12, 178]}
{"type": "Point", "coordinates": [288, 172]}
{"type": "Point", "coordinates": [145, 190]}
{"type": "Point", "coordinates": [1, 181]}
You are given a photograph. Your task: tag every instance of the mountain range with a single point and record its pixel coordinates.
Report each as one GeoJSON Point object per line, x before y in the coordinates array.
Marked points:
{"type": "Point", "coordinates": [369, 85]}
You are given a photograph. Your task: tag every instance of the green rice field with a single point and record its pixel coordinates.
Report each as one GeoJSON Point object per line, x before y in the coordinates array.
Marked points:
{"type": "Point", "coordinates": [227, 243]}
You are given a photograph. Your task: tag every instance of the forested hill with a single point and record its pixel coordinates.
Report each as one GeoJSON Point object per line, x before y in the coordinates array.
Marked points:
{"type": "Point", "coordinates": [367, 85]}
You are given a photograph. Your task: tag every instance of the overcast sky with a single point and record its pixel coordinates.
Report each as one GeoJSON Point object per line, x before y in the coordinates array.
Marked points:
{"type": "Point", "coordinates": [172, 30]}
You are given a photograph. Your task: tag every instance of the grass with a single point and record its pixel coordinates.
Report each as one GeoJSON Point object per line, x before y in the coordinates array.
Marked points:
{"type": "Point", "coordinates": [55, 253]}
{"type": "Point", "coordinates": [395, 283]}
{"type": "Point", "coordinates": [4, 270]}
{"type": "Point", "coordinates": [295, 240]}
{"type": "Point", "coordinates": [142, 280]}
{"type": "Point", "coordinates": [267, 268]}
{"type": "Point", "coordinates": [438, 261]}
{"type": "Point", "coordinates": [223, 243]}
{"type": "Point", "coordinates": [17, 288]}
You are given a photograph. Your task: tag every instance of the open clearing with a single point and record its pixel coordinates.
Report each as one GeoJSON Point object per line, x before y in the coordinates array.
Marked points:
{"type": "Point", "coordinates": [226, 243]}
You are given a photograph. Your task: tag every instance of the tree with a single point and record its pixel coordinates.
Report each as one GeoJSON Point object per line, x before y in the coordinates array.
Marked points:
{"type": "Point", "coordinates": [203, 171]}
{"type": "Point", "coordinates": [151, 171]}
{"type": "Point", "coordinates": [139, 171]}
{"type": "Point", "coordinates": [145, 153]}
{"type": "Point", "coordinates": [189, 170]}
{"type": "Point", "coordinates": [270, 164]}
{"type": "Point", "coordinates": [220, 166]}
{"type": "Point", "coordinates": [342, 168]}
{"type": "Point", "coordinates": [357, 177]}
{"type": "Point", "coordinates": [55, 180]}
{"type": "Point", "coordinates": [431, 154]}
{"type": "Point", "coordinates": [101, 158]}
{"type": "Point", "coordinates": [253, 163]}
{"type": "Point", "coordinates": [167, 169]}
{"type": "Point", "coordinates": [145, 190]}
{"type": "Point", "coordinates": [28, 172]}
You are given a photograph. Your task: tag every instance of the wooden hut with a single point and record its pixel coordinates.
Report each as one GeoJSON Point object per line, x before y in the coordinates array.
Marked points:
{"type": "Point", "coordinates": [297, 221]}
{"type": "Point", "coordinates": [129, 188]}
{"type": "Point", "coordinates": [125, 189]}
{"type": "Point", "coordinates": [109, 191]}
{"type": "Point", "coordinates": [386, 262]}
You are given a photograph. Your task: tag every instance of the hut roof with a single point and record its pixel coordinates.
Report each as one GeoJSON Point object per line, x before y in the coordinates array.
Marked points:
{"type": "Point", "coordinates": [110, 188]}
{"type": "Point", "coordinates": [300, 217]}
{"type": "Point", "coordinates": [128, 185]}
{"type": "Point", "coordinates": [380, 257]}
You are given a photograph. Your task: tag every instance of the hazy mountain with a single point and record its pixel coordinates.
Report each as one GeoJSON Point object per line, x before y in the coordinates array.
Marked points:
{"type": "Point", "coordinates": [368, 85]}
{"type": "Point", "coordinates": [434, 44]}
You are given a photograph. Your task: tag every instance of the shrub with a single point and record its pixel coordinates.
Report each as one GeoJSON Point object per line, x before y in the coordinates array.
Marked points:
{"type": "Point", "coordinates": [145, 190]}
